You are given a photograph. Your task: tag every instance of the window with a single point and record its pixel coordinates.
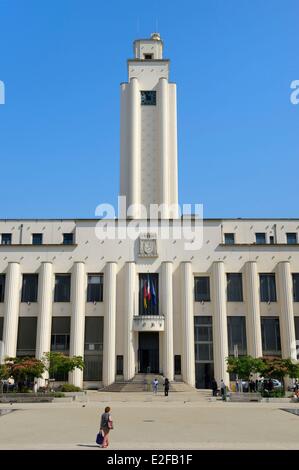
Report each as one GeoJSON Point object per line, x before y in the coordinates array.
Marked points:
{"type": "Point", "coordinates": [93, 348]}
{"type": "Point", "coordinates": [147, 56]}
{"type": "Point", "coordinates": [26, 342]}
{"type": "Point", "coordinates": [295, 287]}
{"type": "Point", "coordinates": [95, 288]}
{"type": "Point", "coordinates": [202, 289]}
{"type": "Point", "coordinates": [203, 338]}
{"type": "Point", "coordinates": [119, 365]}
{"type": "Point", "coordinates": [60, 334]}
{"type": "Point", "coordinates": [177, 365]}
{"type": "Point", "coordinates": [37, 239]}
{"type": "Point", "coordinates": [270, 336]}
{"type": "Point", "coordinates": [6, 239]}
{"type": "Point", "coordinates": [148, 294]}
{"type": "Point", "coordinates": [234, 287]}
{"type": "Point", "coordinates": [148, 98]}
{"type": "Point", "coordinates": [2, 287]}
{"type": "Point", "coordinates": [291, 238]}
{"type": "Point", "coordinates": [260, 238]}
{"type": "Point", "coordinates": [62, 291]}
{"type": "Point", "coordinates": [29, 288]}
{"type": "Point", "coordinates": [236, 331]}
{"type": "Point", "coordinates": [271, 240]}
{"type": "Point", "coordinates": [267, 288]}
{"type": "Point", "coordinates": [229, 238]}
{"type": "Point", "coordinates": [68, 238]}
{"type": "Point", "coordinates": [296, 319]}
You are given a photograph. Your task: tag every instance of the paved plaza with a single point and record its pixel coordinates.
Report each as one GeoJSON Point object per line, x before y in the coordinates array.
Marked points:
{"type": "Point", "coordinates": [143, 421]}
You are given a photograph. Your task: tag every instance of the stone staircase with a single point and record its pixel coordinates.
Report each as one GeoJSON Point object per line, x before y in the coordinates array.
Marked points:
{"type": "Point", "coordinates": [143, 383]}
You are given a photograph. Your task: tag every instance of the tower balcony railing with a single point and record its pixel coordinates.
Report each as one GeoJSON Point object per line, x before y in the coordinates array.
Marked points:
{"type": "Point", "coordinates": [148, 323]}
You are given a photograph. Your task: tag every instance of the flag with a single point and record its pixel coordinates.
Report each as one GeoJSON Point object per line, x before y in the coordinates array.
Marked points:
{"type": "Point", "coordinates": [153, 292]}
{"type": "Point", "coordinates": [144, 295]}
{"type": "Point", "coordinates": [148, 289]}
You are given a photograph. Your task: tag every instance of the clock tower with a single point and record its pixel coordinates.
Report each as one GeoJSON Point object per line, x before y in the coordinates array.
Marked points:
{"type": "Point", "coordinates": [148, 155]}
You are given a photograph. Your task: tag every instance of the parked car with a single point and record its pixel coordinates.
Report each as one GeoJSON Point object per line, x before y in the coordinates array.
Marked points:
{"type": "Point", "coordinates": [276, 384]}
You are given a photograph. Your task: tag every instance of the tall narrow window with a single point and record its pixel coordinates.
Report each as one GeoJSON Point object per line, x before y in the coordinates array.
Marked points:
{"type": "Point", "coordinates": [267, 288]}
{"type": "Point", "coordinates": [95, 288]}
{"type": "Point", "coordinates": [270, 336]}
{"type": "Point", "coordinates": [204, 363]}
{"type": "Point", "coordinates": [6, 239]}
{"type": "Point", "coordinates": [234, 287]}
{"type": "Point", "coordinates": [202, 289]}
{"type": "Point", "coordinates": [60, 334]}
{"type": "Point", "coordinates": [295, 287]}
{"type": "Point", "coordinates": [2, 287]}
{"type": "Point", "coordinates": [60, 340]}
{"type": "Point", "coordinates": [37, 239]}
{"type": "Point", "coordinates": [236, 330]}
{"type": "Point", "coordinates": [93, 348]}
{"type": "Point", "coordinates": [26, 342]}
{"type": "Point", "coordinates": [229, 238]}
{"type": "Point", "coordinates": [291, 238]}
{"type": "Point", "coordinates": [29, 288]}
{"type": "Point", "coordinates": [260, 238]}
{"type": "Point", "coordinates": [62, 288]}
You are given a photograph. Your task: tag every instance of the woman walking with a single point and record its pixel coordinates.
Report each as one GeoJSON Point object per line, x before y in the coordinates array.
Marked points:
{"type": "Point", "coordinates": [166, 387]}
{"type": "Point", "coordinates": [106, 425]}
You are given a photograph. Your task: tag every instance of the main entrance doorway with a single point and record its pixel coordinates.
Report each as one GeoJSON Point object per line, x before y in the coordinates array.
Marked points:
{"type": "Point", "coordinates": [148, 353]}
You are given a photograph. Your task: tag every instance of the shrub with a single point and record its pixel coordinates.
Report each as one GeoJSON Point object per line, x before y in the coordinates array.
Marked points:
{"type": "Point", "coordinates": [278, 393]}
{"type": "Point", "coordinates": [69, 388]}
{"type": "Point", "coordinates": [58, 394]}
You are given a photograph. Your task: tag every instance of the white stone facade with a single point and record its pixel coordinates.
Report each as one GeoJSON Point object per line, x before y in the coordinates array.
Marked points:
{"type": "Point", "coordinates": [148, 146]}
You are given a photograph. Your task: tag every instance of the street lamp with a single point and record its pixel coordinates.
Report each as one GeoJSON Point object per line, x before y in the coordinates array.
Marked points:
{"type": "Point", "coordinates": [236, 354]}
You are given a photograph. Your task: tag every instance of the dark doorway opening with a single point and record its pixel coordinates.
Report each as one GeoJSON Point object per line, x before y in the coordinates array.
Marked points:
{"type": "Point", "coordinates": [204, 372]}
{"type": "Point", "coordinates": [148, 353]}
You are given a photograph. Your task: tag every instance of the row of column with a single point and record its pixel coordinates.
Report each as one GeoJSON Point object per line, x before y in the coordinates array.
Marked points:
{"type": "Point", "coordinates": [253, 320]}
{"type": "Point", "coordinates": [11, 314]}
{"type": "Point", "coordinates": [253, 325]}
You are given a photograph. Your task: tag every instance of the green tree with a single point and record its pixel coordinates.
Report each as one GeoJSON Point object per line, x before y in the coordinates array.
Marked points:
{"type": "Point", "coordinates": [4, 372]}
{"type": "Point", "coordinates": [278, 368]}
{"type": "Point", "coordinates": [243, 366]}
{"type": "Point", "coordinates": [59, 363]}
{"type": "Point", "coordinates": [24, 368]}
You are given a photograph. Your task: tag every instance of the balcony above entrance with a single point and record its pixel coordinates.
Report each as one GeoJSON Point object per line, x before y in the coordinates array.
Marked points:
{"type": "Point", "coordinates": [148, 323]}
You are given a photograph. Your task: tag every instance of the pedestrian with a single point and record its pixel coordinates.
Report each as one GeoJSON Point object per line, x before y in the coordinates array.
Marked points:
{"type": "Point", "coordinates": [223, 390]}
{"type": "Point", "coordinates": [106, 425]}
{"type": "Point", "coordinates": [214, 386]}
{"type": "Point", "coordinates": [166, 387]}
{"type": "Point", "coordinates": [35, 387]}
{"type": "Point", "coordinates": [155, 386]}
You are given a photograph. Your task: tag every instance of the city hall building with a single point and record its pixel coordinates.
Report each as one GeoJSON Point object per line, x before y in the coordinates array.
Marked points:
{"type": "Point", "coordinates": [149, 304]}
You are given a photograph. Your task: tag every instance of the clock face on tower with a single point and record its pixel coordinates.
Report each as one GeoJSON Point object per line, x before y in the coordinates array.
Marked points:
{"type": "Point", "coordinates": [148, 98]}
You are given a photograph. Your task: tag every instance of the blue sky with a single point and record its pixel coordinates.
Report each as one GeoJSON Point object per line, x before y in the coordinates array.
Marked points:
{"type": "Point", "coordinates": [233, 62]}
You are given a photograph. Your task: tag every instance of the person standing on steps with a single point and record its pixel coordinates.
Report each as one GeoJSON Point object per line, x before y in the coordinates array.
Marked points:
{"type": "Point", "coordinates": [106, 426]}
{"type": "Point", "coordinates": [166, 387]}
